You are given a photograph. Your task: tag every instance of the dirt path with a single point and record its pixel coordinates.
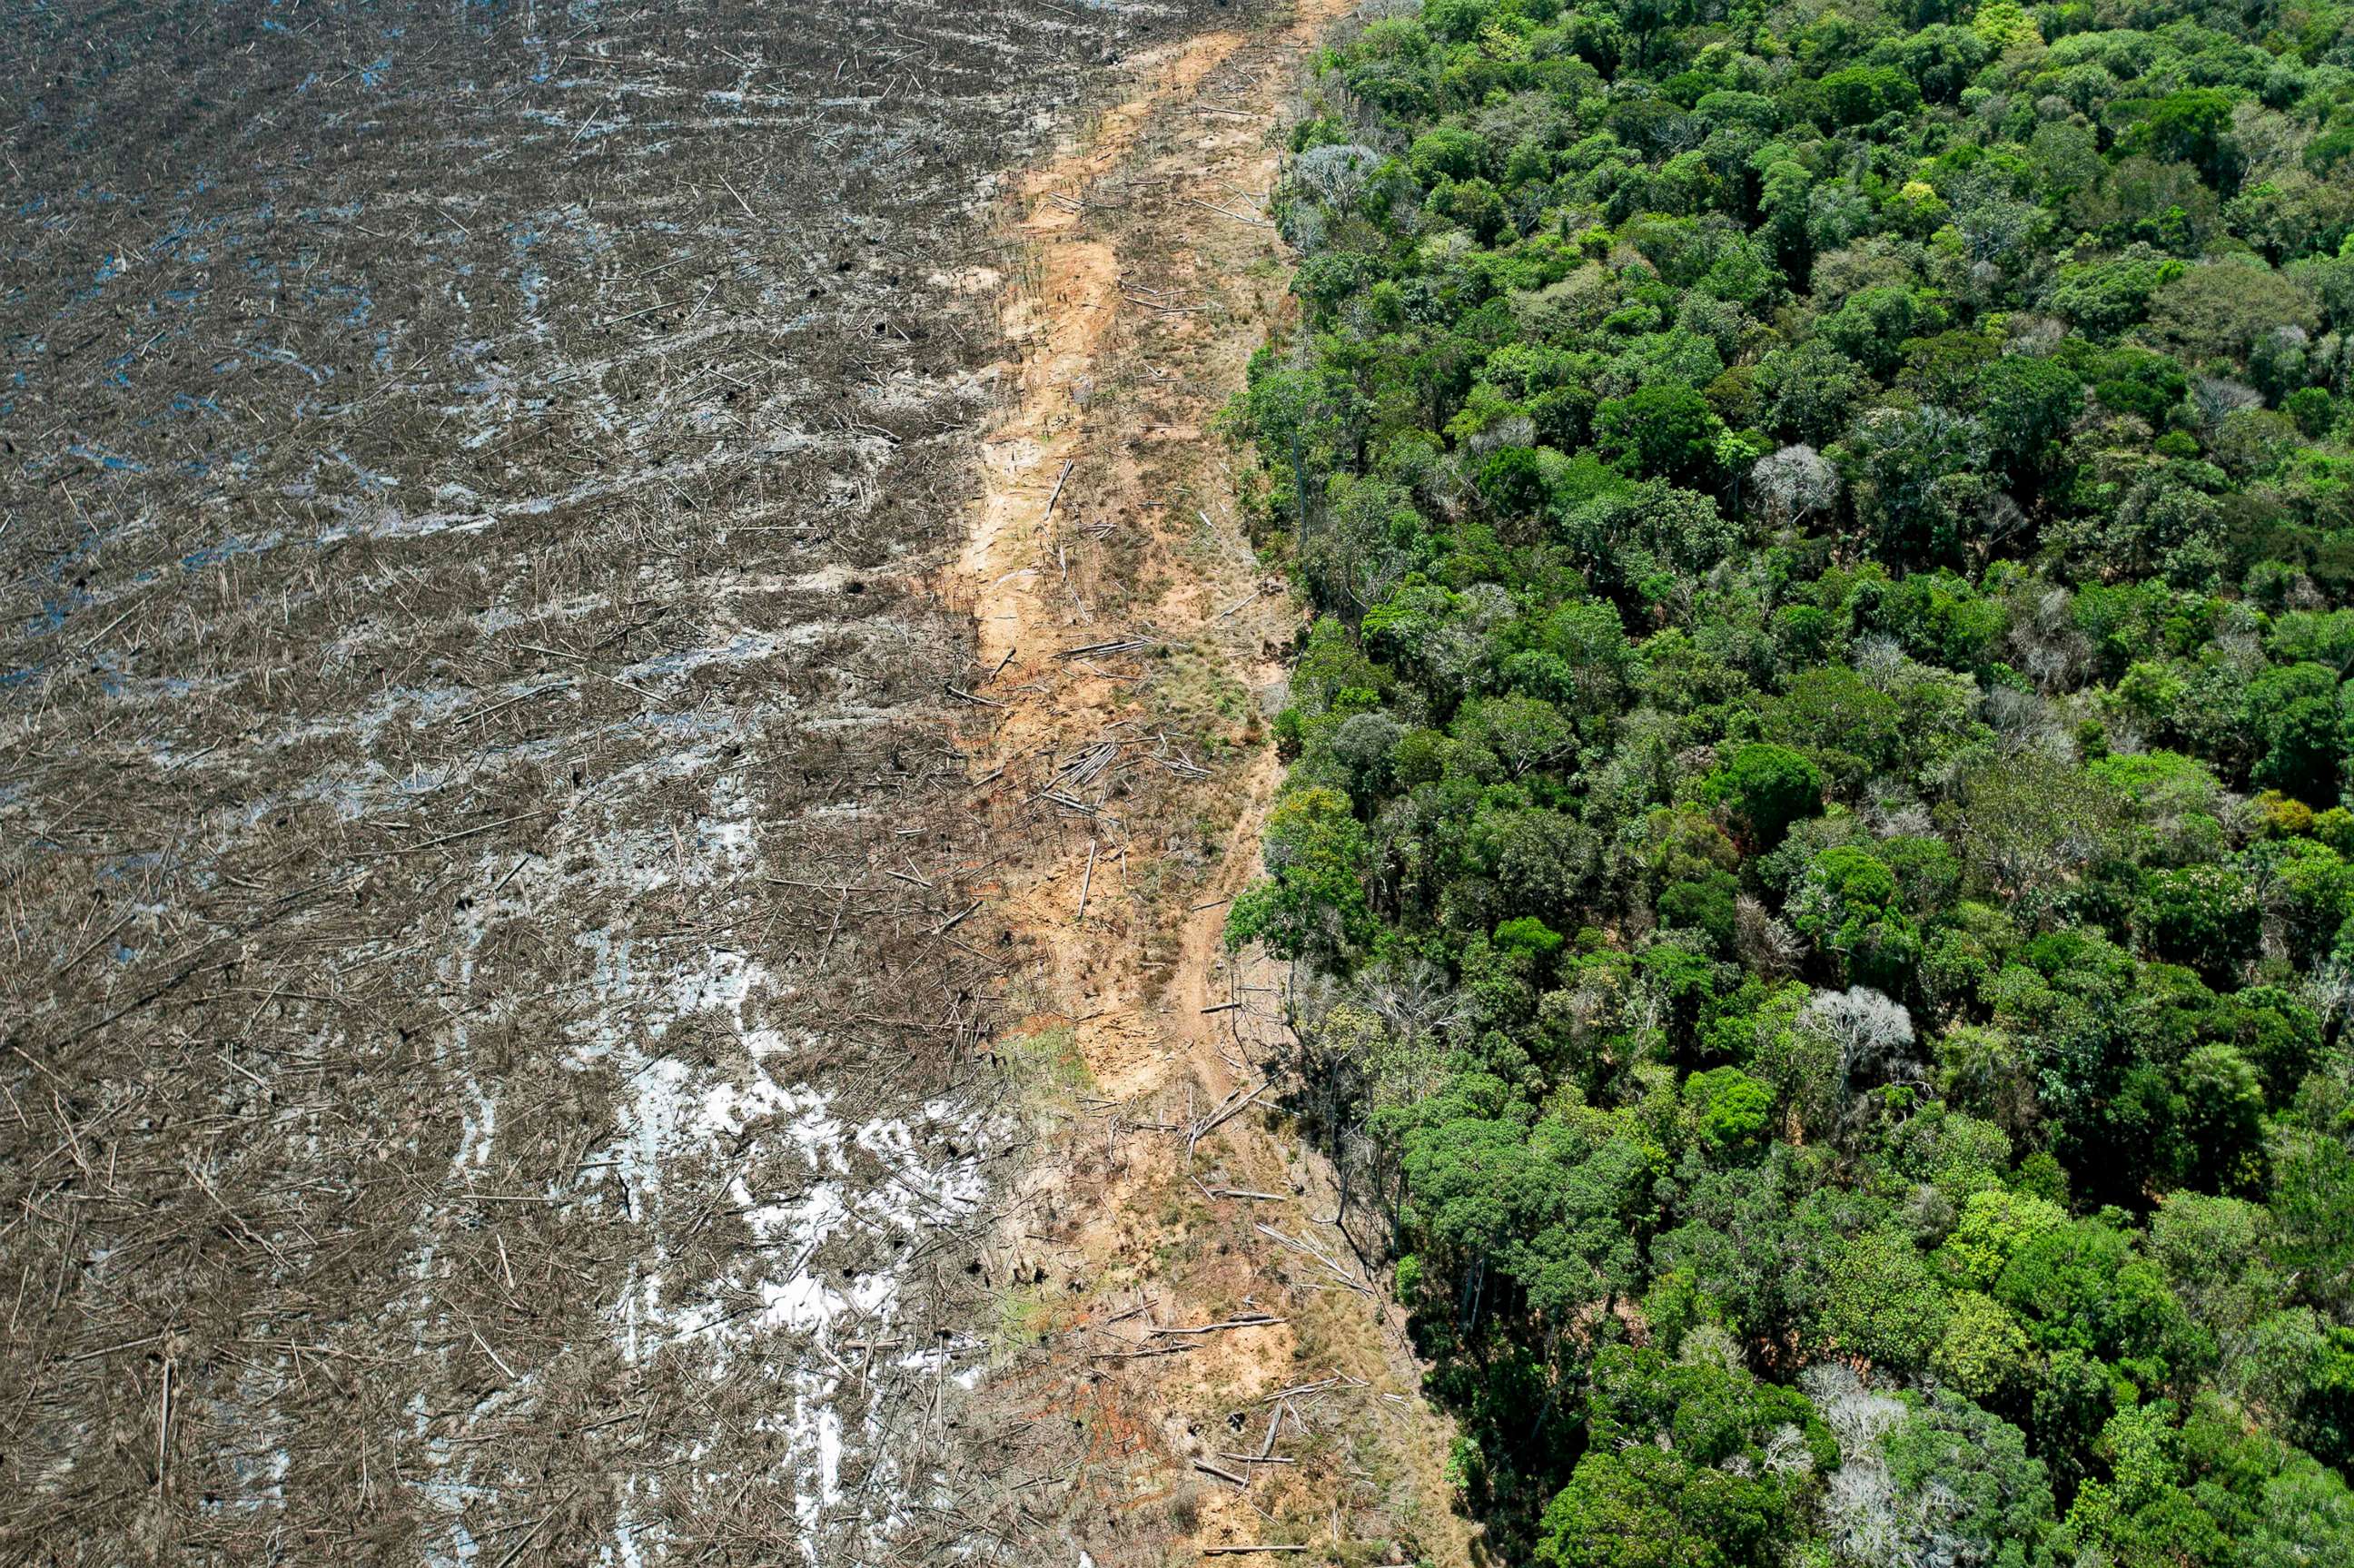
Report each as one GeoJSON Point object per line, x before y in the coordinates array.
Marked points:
{"type": "Point", "coordinates": [1128, 649]}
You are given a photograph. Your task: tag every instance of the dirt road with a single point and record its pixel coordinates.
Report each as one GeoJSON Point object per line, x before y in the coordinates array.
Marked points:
{"type": "Point", "coordinates": [1188, 1359]}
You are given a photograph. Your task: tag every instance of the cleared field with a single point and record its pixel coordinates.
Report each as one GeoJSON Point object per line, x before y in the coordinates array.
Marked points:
{"type": "Point", "coordinates": [490, 979]}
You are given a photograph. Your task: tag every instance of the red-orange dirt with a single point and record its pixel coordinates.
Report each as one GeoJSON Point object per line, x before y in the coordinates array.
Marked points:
{"type": "Point", "coordinates": [1187, 1359]}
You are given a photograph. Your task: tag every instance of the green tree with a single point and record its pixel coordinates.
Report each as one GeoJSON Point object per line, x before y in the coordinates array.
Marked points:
{"type": "Point", "coordinates": [1862, 94]}
{"type": "Point", "coordinates": [1984, 1352]}
{"type": "Point", "coordinates": [1313, 903]}
{"type": "Point", "coordinates": [1881, 1303]}
{"type": "Point", "coordinates": [1686, 1467]}
{"type": "Point", "coordinates": [1919, 477]}
{"type": "Point", "coordinates": [2293, 712]}
{"type": "Point", "coordinates": [2026, 405]}
{"type": "Point", "coordinates": [1848, 905]}
{"type": "Point", "coordinates": [2208, 917]}
{"type": "Point", "coordinates": [1765, 788]}
{"type": "Point", "coordinates": [1663, 431]}
{"type": "Point", "coordinates": [2143, 1514]}
{"type": "Point", "coordinates": [2193, 127]}
{"type": "Point", "coordinates": [1731, 1111]}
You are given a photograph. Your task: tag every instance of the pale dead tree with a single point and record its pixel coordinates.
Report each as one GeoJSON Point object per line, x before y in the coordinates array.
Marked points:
{"type": "Point", "coordinates": [1873, 1032]}
{"type": "Point", "coordinates": [2000, 520]}
{"type": "Point", "coordinates": [2270, 142]}
{"type": "Point", "coordinates": [1415, 999]}
{"type": "Point", "coordinates": [2035, 336]}
{"type": "Point", "coordinates": [1899, 817]}
{"type": "Point", "coordinates": [1712, 1345]}
{"type": "Point", "coordinates": [1336, 176]}
{"type": "Point", "coordinates": [1786, 1453]}
{"type": "Point", "coordinates": [1879, 660]}
{"type": "Point", "coordinates": [1996, 231]}
{"type": "Point", "coordinates": [2046, 644]}
{"type": "Point", "coordinates": [2333, 989]}
{"type": "Point", "coordinates": [1765, 943]}
{"type": "Point", "coordinates": [2020, 720]}
{"type": "Point", "coordinates": [1303, 223]}
{"type": "Point", "coordinates": [2217, 396]}
{"type": "Point", "coordinates": [1860, 1501]}
{"type": "Point", "coordinates": [1793, 485]}
{"type": "Point", "coordinates": [1519, 431]}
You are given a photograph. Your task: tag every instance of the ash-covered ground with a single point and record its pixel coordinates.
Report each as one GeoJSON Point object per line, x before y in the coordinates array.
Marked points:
{"type": "Point", "coordinates": [494, 1058]}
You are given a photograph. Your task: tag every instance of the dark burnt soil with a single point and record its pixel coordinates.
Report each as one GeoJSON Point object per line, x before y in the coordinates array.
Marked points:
{"type": "Point", "coordinates": [496, 1063]}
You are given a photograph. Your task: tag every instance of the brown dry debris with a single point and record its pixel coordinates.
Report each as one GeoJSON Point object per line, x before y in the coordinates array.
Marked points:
{"type": "Point", "coordinates": [494, 1062]}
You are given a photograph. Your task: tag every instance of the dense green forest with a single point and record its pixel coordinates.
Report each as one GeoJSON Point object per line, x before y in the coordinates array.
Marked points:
{"type": "Point", "coordinates": [1816, 840]}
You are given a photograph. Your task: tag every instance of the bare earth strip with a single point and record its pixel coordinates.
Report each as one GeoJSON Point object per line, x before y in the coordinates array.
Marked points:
{"type": "Point", "coordinates": [1188, 1355]}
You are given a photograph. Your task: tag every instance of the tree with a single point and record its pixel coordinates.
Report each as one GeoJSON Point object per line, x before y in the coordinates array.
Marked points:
{"type": "Point", "coordinates": [1881, 1303]}
{"type": "Point", "coordinates": [1811, 391]}
{"type": "Point", "coordinates": [1530, 1218]}
{"type": "Point", "coordinates": [1935, 1483]}
{"type": "Point", "coordinates": [2107, 294]}
{"type": "Point", "coordinates": [1708, 901]}
{"type": "Point", "coordinates": [1523, 732]}
{"type": "Point", "coordinates": [2204, 916]}
{"type": "Point", "coordinates": [2192, 127]}
{"type": "Point", "coordinates": [1834, 526]}
{"type": "Point", "coordinates": [1848, 905]}
{"type": "Point", "coordinates": [1648, 542]}
{"type": "Point", "coordinates": [2215, 1253]}
{"type": "Point", "coordinates": [2084, 1287]}
{"type": "Point", "coordinates": [1872, 325]}
{"type": "Point", "coordinates": [1512, 481]}
{"type": "Point", "coordinates": [2305, 1519]}
{"type": "Point", "coordinates": [1994, 1227]}
{"type": "Point", "coordinates": [1663, 431]}
{"type": "Point", "coordinates": [1335, 175]}
{"type": "Point", "coordinates": [2027, 405]}
{"type": "Point", "coordinates": [1313, 903]}
{"type": "Point", "coordinates": [1765, 788]}
{"type": "Point", "coordinates": [2312, 1199]}
{"type": "Point", "coordinates": [2033, 829]}
{"type": "Point", "coordinates": [2143, 1514]}
{"type": "Point", "coordinates": [1919, 478]}
{"type": "Point", "coordinates": [1731, 1111]}
{"type": "Point", "coordinates": [2292, 712]}
{"type": "Point", "coordinates": [1840, 1046]}
{"type": "Point", "coordinates": [1792, 486]}
{"type": "Point", "coordinates": [1862, 94]}
{"type": "Point", "coordinates": [1686, 1467]}
{"type": "Point", "coordinates": [2217, 312]}
{"type": "Point", "coordinates": [1449, 153]}
{"type": "Point", "coordinates": [2222, 1126]}
{"type": "Point", "coordinates": [1983, 1353]}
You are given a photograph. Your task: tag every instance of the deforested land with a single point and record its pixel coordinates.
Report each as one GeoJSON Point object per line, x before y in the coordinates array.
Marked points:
{"type": "Point", "coordinates": [497, 1028]}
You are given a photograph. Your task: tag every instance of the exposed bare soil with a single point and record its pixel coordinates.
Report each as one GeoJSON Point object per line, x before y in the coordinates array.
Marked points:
{"type": "Point", "coordinates": [1188, 1356]}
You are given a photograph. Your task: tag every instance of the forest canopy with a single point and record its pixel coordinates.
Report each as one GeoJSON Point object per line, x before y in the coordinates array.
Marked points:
{"type": "Point", "coordinates": [1817, 836]}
